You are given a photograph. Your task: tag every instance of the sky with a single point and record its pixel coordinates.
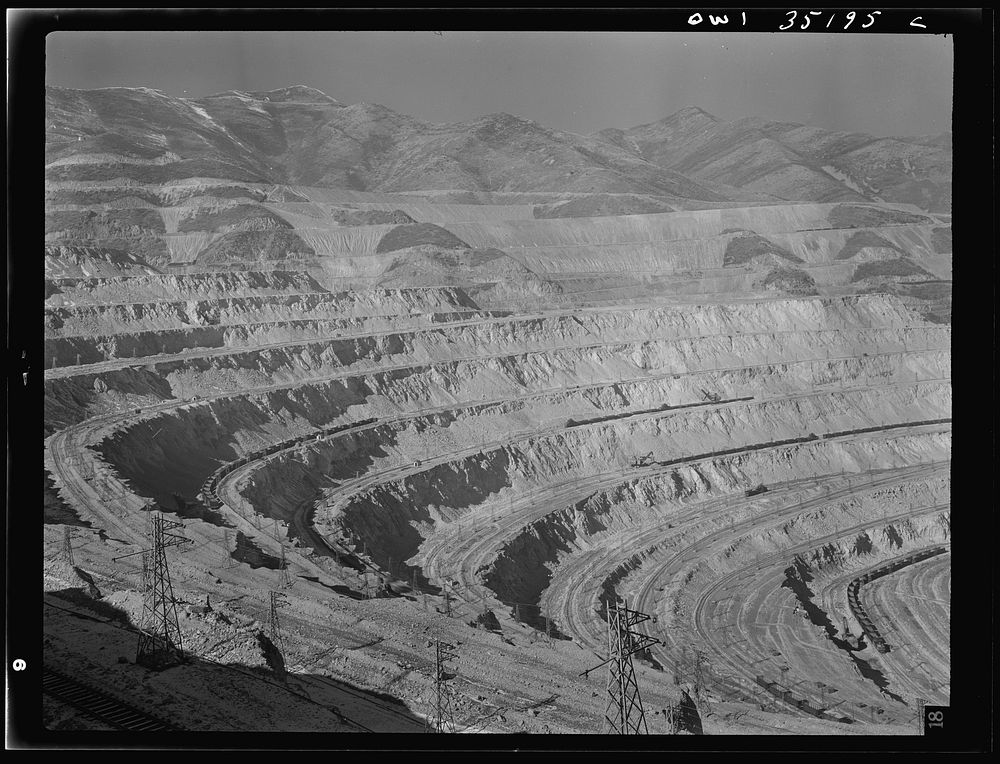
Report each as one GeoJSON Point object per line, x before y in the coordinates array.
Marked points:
{"type": "Point", "coordinates": [580, 82]}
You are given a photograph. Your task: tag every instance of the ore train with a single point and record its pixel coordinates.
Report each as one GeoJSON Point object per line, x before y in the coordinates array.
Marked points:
{"type": "Point", "coordinates": [853, 588]}
{"type": "Point", "coordinates": [208, 488]}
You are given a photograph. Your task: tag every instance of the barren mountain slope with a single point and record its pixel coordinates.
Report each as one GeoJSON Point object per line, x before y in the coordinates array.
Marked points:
{"type": "Point", "coordinates": [796, 162]}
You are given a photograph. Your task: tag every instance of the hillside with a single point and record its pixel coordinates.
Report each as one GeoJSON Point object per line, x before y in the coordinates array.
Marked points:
{"type": "Point", "coordinates": [795, 162]}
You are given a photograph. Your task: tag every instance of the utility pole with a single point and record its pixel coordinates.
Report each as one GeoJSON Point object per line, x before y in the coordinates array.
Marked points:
{"type": "Point", "coordinates": [624, 714]}
{"type": "Point", "coordinates": [444, 715]}
{"type": "Point", "coordinates": [278, 601]}
{"type": "Point", "coordinates": [159, 631]}
{"type": "Point", "coordinates": [68, 545]}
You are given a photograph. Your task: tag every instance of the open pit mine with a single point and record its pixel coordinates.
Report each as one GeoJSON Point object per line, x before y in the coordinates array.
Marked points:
{"type": "Point", "coordinates": [358, 423]}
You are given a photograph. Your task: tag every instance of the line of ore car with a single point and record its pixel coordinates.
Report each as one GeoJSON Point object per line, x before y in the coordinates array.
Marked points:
{"type": "Point", "coordinates": [212, 500]}
{"type": "Point", "coordinates": [859, 612]}
{"type": "Point", "coordinates": [853, 588]}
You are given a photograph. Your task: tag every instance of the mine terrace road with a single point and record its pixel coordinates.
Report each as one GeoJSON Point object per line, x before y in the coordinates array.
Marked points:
{"type": "Point", "coordinates": [440, 329]}
{"type": "Point", "coordinates": [73, 439]}
{"type": "Point", "coordinates": [709, 633]}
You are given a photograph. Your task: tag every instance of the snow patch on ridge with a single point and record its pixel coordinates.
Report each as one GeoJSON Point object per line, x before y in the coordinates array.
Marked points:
{"type": "Point", "coordinates": [848, 181]}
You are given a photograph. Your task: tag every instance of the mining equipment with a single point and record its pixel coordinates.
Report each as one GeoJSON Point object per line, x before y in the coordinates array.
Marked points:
{"type": "Point", "coordinates": [642, 461]}
{"type": "Point", "coordinates": [754, 491]}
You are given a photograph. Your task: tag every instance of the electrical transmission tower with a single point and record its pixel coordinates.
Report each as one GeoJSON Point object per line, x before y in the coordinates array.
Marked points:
{"type": "Point", "coordinates": [226, 556]}
{"type": "Point", "coordinates": [68, 545]}
{"type": "Point", "coordinates": [624, 714]}
{"type": "Point", "coordinates": [159, 631]}
{"type": "Point", "coordinates": [671, 715]}
{"type": "Point", "coordinates": [444, 715]}
{"type": "Point", "coordinates": [284, 579]}
{"type": "Point", "coordinates": [278, 601]}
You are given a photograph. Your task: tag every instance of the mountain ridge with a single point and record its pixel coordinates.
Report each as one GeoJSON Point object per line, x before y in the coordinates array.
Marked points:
{"type": "Point", "coordinates": [790, 160]}
{"type": "Point", "coordinates": [299, 134]}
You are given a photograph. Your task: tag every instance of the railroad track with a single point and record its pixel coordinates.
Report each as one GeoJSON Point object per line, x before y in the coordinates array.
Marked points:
{"type": "Point", "coordinates": [99, 705]}
{"type": "Point", "coordinates": [472, 552]}
{"type": "Point", "coordinates": [441, 329]}
{"type": "Point", "coordinates": [93, 424]}
{"type": "Point", "coordinates": [60, 452]}
{"type": "Point", "coordinates": [586, 630]}
{"type": "Point", "coordinates": [707, 633]}
{"type": "Point", "coordinates": [853, 591]}
{"type": "Point", "coordinates": [921, 657]}
{"type": "Point", "coordinates": [577, 613]}
{"type": "Point", "coordinates": [211, 488]}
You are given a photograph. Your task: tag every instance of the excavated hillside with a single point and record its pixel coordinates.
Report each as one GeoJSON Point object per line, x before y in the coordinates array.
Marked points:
{"type": "Point", "coordinates": [401, 383]}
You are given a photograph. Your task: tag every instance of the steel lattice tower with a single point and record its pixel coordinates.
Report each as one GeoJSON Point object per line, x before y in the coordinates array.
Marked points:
{"type": "Point", "coordinates": [159, 630]}
{"type": "Point", "coordinates": [274, 623]}
{"type": "Point", "coordinates": [624, 714]}
{"type": "Point", "coordinates": [284, 579]}
{"type": "Point", "coordinates": [226, 556]}
{"type": "Point", "coordinates": [68, 545]}
{"type": "Point", "coordinates": [444, 715]}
